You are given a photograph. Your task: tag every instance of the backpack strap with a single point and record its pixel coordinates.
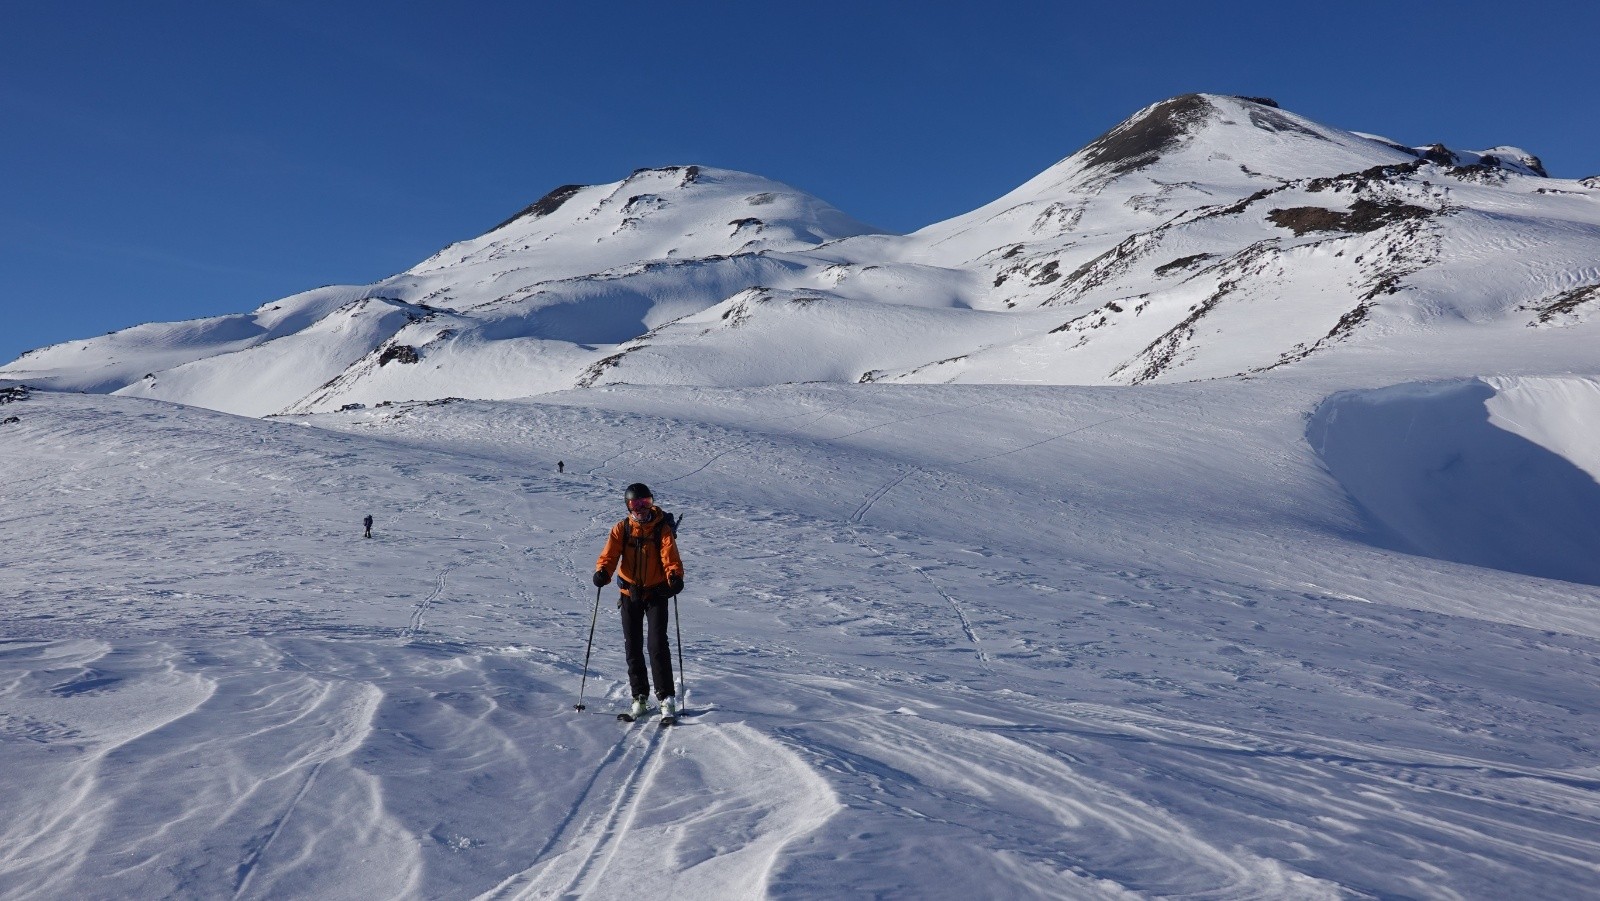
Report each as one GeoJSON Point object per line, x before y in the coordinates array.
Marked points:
{"type": "Point", "coordinates": [668, 522]}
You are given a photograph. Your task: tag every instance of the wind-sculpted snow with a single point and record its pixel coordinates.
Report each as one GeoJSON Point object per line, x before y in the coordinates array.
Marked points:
{"type": "Point", "coordinates": [1499, 473]}
{"type": "Point", "coordinates": [939, 642]}
{"type": "Point", "coordinates": [707, 815]}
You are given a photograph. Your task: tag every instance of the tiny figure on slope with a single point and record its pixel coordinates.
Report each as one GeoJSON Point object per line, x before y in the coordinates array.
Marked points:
{"type": "Point", "coordinates": [367, 523]}
{"type": "Point", "coordinates": [561, 466]}
{"type": "Point", "coordinates": [643, 550]}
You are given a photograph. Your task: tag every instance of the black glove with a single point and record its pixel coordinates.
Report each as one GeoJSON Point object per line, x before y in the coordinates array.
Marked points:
{"type": "Point", "coordinates": [601, 578]}
{"type": "Point", "coordinates": [675, 582]}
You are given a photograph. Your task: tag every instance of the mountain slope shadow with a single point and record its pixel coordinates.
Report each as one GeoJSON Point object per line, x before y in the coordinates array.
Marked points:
{"type": "Point", "coordinates": [1435, 477]}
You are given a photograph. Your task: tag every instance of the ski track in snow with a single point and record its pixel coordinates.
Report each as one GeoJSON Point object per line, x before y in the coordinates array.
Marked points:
{"type": "Point", "coordinates": [736, 800]}
{"type": "Point", "coordinates": [918, 706]}
{"type": "Point", "coordinates": [417, 612]}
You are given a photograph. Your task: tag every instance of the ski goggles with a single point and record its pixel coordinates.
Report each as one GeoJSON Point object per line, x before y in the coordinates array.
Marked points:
{"type": "Point", "coordinates": [640, 504]}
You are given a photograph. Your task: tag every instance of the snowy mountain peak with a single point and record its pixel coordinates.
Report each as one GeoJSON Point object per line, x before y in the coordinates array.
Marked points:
{"type": "Point", "coordinates": [1141, 139]}
{"type": "Point", "coordinates": [1205, 236]}
{"type": "Point", "coordinates": [674, 212]}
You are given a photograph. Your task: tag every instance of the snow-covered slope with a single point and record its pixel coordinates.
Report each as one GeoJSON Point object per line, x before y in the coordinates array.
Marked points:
{"type": "Point", "coordinates": [1294, 596]}
{"type": "Point", "coordinates": [939, 642]}
{"type": "Point", "coordinates": [1206, 236]}
{"type": "Point", "coordinates": [519, 310]}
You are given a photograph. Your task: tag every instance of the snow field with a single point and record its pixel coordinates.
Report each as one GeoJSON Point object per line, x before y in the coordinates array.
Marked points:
{"type": "Point", "coordinates": [938, 640]}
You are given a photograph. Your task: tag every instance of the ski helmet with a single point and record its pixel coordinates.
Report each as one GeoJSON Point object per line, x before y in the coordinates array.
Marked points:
{"type": "Point", "coordinates": [636, 491]}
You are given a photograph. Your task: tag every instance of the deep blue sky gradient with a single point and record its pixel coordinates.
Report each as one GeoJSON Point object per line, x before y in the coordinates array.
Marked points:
{"type": "Point", "coordinates": [168, 160]}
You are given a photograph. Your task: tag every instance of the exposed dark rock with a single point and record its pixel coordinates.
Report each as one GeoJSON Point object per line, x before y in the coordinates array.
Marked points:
{"type": "Point", "coordinates": [1486, 172]}
{"type": "Point", "coordinates": [1139, 142]}
{"type": "Point", "coordinates": [1239, 206]}
{"type": "Point", "coordinates": [1346, 324]}
{"type": "Point", "coordinates": [1392, 145]}
{"type": "Point", "coordinates": [545, 205]}
{"type": "Point", "coordinates": [1047, 273]}
{"type": "Point", "coordinates": [1263, 101]}
{"type": "Point", "coordinates": [1363, 216]}
{"type": "Point", "coordinates": [1057, 218]}
{"type": "Point", "coordinates": [1517, 163]}
{"type": "Point", "coordinates": [398, 353]}
{"type": "Point", "coordinates": [761, 199]}
{"type": "Point", "coordinates": [14, 394]}
{"type": "Point", "coordinates": [739, 311]}
{"type": "Point", "coordinates": [1269, 119]}
{"type": "Point", "coordinates": [10, 419]}
{"type": "Point", "coordinates": [1162, 352]}
{"type": "Point", "coordinates": [640, 204]}
{"type": "Point", "coordinates": [1025, 268]}
{"type": "Point", "coordinates": [348, 407]}
{"type": "Point", "coordinates": [1093, 319]}
{"type": "Point", "coordinates": [1438, 153]}
{"type": "Point", "coordinates": [1565, 303]}
{"type": "Point", "coordinates": [1386, 284]}
{"type": "Point", "coordinates": [1107, 265]}
{"type": "Point", "coordinates": [1592, 181]}
{"type": "Point", "coordinates": [1355, 180]}
{"type": "Point", "coordinates": [747, 222]}
{"type": "Point", "coordinates": [691, 174]}
{"type": "Point", "coordinates": [593, 373]}
{"type": "Point", "coordinates": [1181, 263]}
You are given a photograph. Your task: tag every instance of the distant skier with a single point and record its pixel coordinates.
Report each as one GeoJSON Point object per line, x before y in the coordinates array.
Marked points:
{"type": "Point", "coordinates": [561, 466]}
{"type": "Point", "coordinates": [367, 523]}
{"type": "Point", "coordinates": [645, 544]}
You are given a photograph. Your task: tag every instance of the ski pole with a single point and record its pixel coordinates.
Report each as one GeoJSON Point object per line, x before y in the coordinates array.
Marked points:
{"type": "Point", "coordinates": [593, 617]}
{"type": "Point", "coordinates": [678, 624]}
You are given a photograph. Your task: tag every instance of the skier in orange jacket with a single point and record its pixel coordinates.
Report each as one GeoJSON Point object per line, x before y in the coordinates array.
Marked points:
{"type": "Point", "coordinates": [643, 550]}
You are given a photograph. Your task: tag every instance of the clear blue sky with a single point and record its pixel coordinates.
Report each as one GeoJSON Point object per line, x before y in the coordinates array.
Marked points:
{"type": "Point", "coordinates": [169, 160]}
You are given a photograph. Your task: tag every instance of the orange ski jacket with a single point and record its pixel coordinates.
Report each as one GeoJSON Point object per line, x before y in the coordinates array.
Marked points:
{"type": "Point", "coordinates": [647, 554]}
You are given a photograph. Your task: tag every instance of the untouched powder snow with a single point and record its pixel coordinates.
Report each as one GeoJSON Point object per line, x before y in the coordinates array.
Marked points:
{"type": "Point", "coordinates": [939, 642]}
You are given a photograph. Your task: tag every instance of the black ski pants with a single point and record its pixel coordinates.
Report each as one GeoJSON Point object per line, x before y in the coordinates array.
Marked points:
{"type": "Point", "coordinates": [635, 616]}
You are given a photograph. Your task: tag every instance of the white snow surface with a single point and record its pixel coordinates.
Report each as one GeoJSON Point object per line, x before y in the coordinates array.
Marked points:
{"type": "Point", "coordinates": [1211, 517]}
{"type": "Point", "coordinates": [1207, 236]}
{"type": "Point", "coordinates": [939, 642]}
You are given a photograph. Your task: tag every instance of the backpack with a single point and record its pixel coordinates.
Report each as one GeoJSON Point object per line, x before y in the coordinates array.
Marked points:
{"type": "Point", "coordinates": [668, 523]}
